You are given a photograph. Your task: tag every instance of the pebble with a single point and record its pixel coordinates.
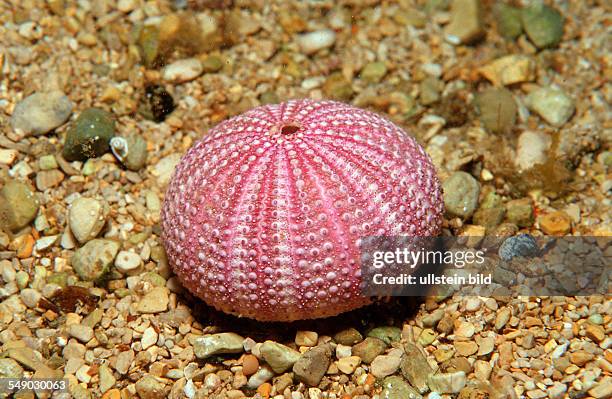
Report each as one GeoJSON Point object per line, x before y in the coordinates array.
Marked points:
{"type": "Point", "coordinates": [81, 332]}
{"type": "Point", "coordinates": [149, 388]}
{"type": "Point", "coordinates": [466, 348]}
{"type": "Point", "coordinates": [306, 338]}
{"type": "Point", "coordinates": [543, 24]}
{"type": "Point", "coordinates": [215, 344]}
{"type": "Point", "coordinates": [415, 367]}
{"type": "Point", "coordinates": [520, 212]}
{"type": "Point", "coordinates": [155, 301]}
{"type": "Point", "coordinates": [368, 349]}
{"type": "Point", "coordinates": [461, 192]}
{"type": "Point", "coordinates": [485, 345]}
{"type": "Point", "coordinates": [338, 87]}
{"type": "Point", "coordinates": [46, 179]}
{"type": "Point", "coordinates": [165, 167]}
{"type": "Point", "coordinates": [395, 387]}
{"type": "Point", "coordinates": [447, 382]}
{"type": "Point", "coordinates": [30, 297]}
{"type": "Point", "coordinates": [93, 260]}
{"type": "Point", "coordinates": [555, 223]}
{"type": "Point", "coordinates": [89, 135]}
{"type": "Point", "coordinates": [509, 69]}
{"type": "Point", "coordinates": [350, 336]}
{"type": "Point", "coordinates": [603, 389]}
{"type": "Point", "coordinates": [343, 351]}
{"type": "Point", "coordinates": [41, 112]}
{"type": "Point", "coordinates": [509, 22]}
{"type": "Point", "coordinates": [87, 217]}
{"type": "Point", "coordinates": [383, 366]}
{"type": "Point", "coordinates": [262, 375]}
{"type": "Point", "coordinates": [127, 261]}
{"type": "Point", "coordinates": [156, 103]}
{"type": "Point", "coordinates": [373, 72]}
{"type": "Point", "coordinates": [594, 332]}
{"type": "Point", "coordinates": [124, 361]}
{"type": "Point", "coordinates": [532, 149]}
{"type": "Point", "coordinates": [312, 42]}
{"type": "Point", "coordinates": [465, 329]}
{"type": "Point", "coordinates": [278, 356]}
{"type": "Point", "coordinates": [430, 89]}
{"type": "Point", "coordinates": [557, 390]}
{"type": "Point", "coordinates": [497, 110]}
{"type": "Point", "coordinates": [521, 245]}
{"type": "Point", "coordinates": [348, 364]}
{"type": "Point", "coordinates": [131, 151]}
{"type": "Point", "coordinates": [7, 157]}
{"type": "Point", "coordinates": [211, 64]}
{"type": "Point", "coordinates": [9, 368]}
{"type": "Point", "coordinates": [312, 365]}
{"type": "Point", "coordinates": [466, 23]}
{"type": "Point", "coordinates": [386, 334]}
{"type": "Point", "coordinates": [182, 70]}
{"type": "Point", "coordinates": [18, 205]}
{"type": "Point", "coordinates": [149, 338]}
{"type": "Point", "coordinates": [47, 162]}
{"type": "Point", "coordinates": [553, 105]}
{"type": "Point", "coordinates": [250, 364]}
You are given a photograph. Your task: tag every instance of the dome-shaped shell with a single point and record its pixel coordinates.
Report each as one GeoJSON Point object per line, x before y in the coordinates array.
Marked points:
{"type": "Point", "coordinates": [262, 216]}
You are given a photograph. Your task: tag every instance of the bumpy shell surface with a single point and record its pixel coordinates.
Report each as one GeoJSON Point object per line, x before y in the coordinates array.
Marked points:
{"type": "Point", "coordinates": [263, 216]}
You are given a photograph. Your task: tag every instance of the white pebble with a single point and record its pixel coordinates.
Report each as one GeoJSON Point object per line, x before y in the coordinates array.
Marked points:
{"type": "Point", "coordinates": [314, 41]}
{"type": "Point", "coordinates": [182, 70]}
{"type": "Point", "coordinates": [127, 261]}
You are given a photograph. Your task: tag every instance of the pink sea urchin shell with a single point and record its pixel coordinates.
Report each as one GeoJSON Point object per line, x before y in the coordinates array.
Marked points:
{"type": "Point", "coordinates": [262, 216]}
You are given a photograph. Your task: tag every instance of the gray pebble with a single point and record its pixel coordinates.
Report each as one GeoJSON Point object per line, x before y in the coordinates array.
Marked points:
{"type": "Point", "coordinates": [522, 245]}
{"type": "Point", "coordinates": [40, 113]}
{"type": "Point", "coordinates": [93, 260]}
{"type": "Point", "coordinates": [461, 192]}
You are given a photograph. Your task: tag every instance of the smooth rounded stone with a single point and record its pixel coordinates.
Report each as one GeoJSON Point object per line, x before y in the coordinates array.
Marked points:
{"type": "Point", "coordinates": [46, 179]}
{"type": "Point", "coordinates": [338, 87]}
{"type": "Point", "coordinates": [465, 329]}
{"type": "Point", "coordinates": [250, 364]}
{"type": "Point", "coordinates": [350, 336]}
{"type": "Point", "coordinates": [553, 105]}
{"type": "Point", "coordinates": [430, 89]}
{"type": "Point", "coordinates": [182, 70]}
{"type": "Point", "coordinates": [502, 318]}
{"type": "Point", "coordinates": [543, 24]}
{"type": "Point", "coordinates": [131, 151]}
{"type": "Point", "coordinates": [497, 109]}
{"type": "Point", "coordinates": [466, 348]}
{"type": "Point", "coordinates": [212, 63]}
{"type": "Point", "coordinates": [87, 217]}
{"type": "Point", "coordinates": [165, 167]}
{"type": "Point", "coordinates": [472, 304]}
{"type": "Point", "coordinates": [81, 332]}
{"type": "Point", "coordinates": [415, 367]}
{"type": "Point", "coordinates": [278, 356]}
{"type": "Point", "coordinates": [262, 375]}
{"type": "Point", "coordinates": [149, 388]}
{"type": "Point", "coordinates": [30, 297]}
{"type": "Point", "coordinates": [40, 113]}
{"type": "Point", "coordinates": [127, 261]}
{"type": "Point", "coordinates": [312, 42]}
{"type": "Point", "coordinates": [395, 387]}
{"type": "Point", "coordinates": [18, 205]}
{"type": "Point", "coordinates": [93, 260]}
{"type": "Point", "coordinates": [520, 212]}
{"type": "Point", "coordinates": [348, 364]}
{"type": "Point", "coordinates": [386, 334]}
{"type": "Point", "coordinates": [432, 319]}
{"type": "Point", "coordinates": [461, 193]}
{"type": "Point", "coordinates": [215, 344]}
{"type": "Point", "coordinates": [466, 24]}
{"type": "Point", "coordinates": [9, 368]}
{"type": "Point", "coordinates": [312, 365]}
{"type": "Point", "coordinates": [47, 162]}
{"type": "Point", "coordinates": [384, 366]}
{"type": "Point", "coordinates": [524, 245]}
{"type": "Point", "coordinates": [89, 135]}
{"type": "Point", "coordinates": [508, 18]}
{"type": "Point", "coordinates": [343, 351]}
{"type": "Point", "coordinates": [369, 348]}
{"type": "Point", "coordinates": [555, 223]}
{"type": "Point", "coordinates": [373, 72]}
{"type": "Point", "coordinates": [306, 338]}
{"type": "Point", "coordinates": [447, 382]}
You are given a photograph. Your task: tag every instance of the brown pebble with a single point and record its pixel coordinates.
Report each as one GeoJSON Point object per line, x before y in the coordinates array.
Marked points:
{"type": "Point", "coordinates": [556, 223]}
{"type": "Point", "coordinates": [250, 365]}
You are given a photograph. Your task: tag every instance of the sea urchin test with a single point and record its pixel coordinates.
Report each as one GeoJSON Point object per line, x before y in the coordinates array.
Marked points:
{"type": "Point", "coordinates": [263, 216]}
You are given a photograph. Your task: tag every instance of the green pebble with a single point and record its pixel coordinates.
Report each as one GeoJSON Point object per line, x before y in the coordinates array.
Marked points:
{"type": "Point", "coordinates": [93, 260]}
{"type": "Point", "coordinates": [543, 24]}
{"type": "Point", "coordinates": [373, 72]}
{"type": "Point", "coordinates": [47, 162]}
{"type": "Point", "coordinates": [269, 97]}
{"type": "Point", "coordinates": [148, 45]}
{"type": "Point", "coordinates": [89, 167]}
{"type": "Point", "coordinates": [337, 87]}
{"type": "Point", "coordinates": [461, 191]}
{"type": "Point", "coordinates": [137, 152]}
{"type": "Point", "coordinates": [155, 279]}
{"type": "Point", "coordinates": [60, 278]}
{"type": "Point", "coordinates": [427, 337]}
{"type": "Point", "coordinates": [396, 387]}
{"type": "Point", "coordinates": [22, 279]}
{"type": "Point", "coordinates": [489, 217]}
{"type": "Point", "coordinates": [122, 292]}
{"type": "Point", "coordinates": [89, 135]}
{"type": "Point", "coordinates": [386, 334]}
{"type": "Point", "coordinates": [497, 110]}
{"type": "Point", "coordinates": [596, 319]}
{"type": "Point", "coordinates": [520, 212]}
{"type": "Point", "coordinates": [212, 64]}
{"type": "Point", "coordinates": [430, 89]}
{"type": "Point", "coordinates": [508, 21]}
{"type": "Point", "coordinates": [350, 336]}
{"type": "Point", "coordinates": [18, 205]}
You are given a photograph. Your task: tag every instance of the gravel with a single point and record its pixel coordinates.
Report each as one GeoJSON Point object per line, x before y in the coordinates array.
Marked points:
{"type": "Point", "coordinates": [41, 112]}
